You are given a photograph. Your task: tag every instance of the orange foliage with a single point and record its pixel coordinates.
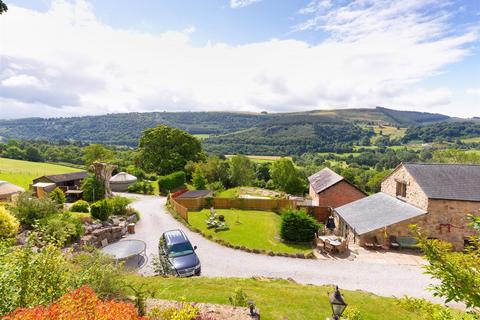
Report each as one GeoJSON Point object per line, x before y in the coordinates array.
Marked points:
{"type": "Point", "coordinates": [80, 304]}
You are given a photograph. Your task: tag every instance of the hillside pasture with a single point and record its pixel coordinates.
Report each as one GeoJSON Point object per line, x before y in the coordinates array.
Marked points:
{"type": "Point", "coordinates": [21, 173]}
{"type": "Point", "coordinates": [260, 159]}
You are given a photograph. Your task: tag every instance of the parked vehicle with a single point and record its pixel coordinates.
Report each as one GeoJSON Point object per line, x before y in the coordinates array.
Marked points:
{"type": "Point", "coordinates": [175, 247]}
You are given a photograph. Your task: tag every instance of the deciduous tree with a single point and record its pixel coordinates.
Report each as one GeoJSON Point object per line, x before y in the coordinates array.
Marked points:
{"type": "Point", "coordinates": [164, 150]}
{"type": "Point", "coordinates": [241, 171]}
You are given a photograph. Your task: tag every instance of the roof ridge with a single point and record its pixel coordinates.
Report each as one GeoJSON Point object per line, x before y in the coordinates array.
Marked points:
{"type": "Point", "coordinates": [442, 164]}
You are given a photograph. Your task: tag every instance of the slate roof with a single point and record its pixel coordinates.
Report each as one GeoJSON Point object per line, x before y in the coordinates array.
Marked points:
{"type": "Point", "coordinates": [447, 181]}
{"type": "Point", "coordinates": [324, 179]}
{"type": "Point", "coordinates": [56, 178]}
{"type": "Point", "coordinates": [376, 212]}
{"type": "Point", "coordinates": [195, 194]}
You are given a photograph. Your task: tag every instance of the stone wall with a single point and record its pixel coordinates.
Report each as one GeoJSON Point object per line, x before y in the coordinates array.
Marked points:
{"type": "Point", "coordinates": [339, 194]}
{"type": "Point", "coordinates": [446, 219]}
{"type": "Point", "coordinates": [415, 194]}
{"type": "Point", "coordinates": [98, 233]}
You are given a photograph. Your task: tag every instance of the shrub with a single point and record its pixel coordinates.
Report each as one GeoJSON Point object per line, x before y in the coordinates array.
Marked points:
{"type": "Point", "coordinates": [28, 208]}
{"type": "Point", "coordinates": [32, 276]}
{"type": "Point", "coordinates": [119, 205]}
{"type": "Point", "coordinates": [198, 179]}
{"type": "Point", "coordinates": [57, 195]}
{"type": "Point", "coordinates": [101, 210]}
{"type": "Point", "coordinates": [81, 303]}
{"type": "Point", "coordinates": [238, 298]}
{"type": "Point", "coordinates": [93, 189]}
{"type": "Point", "coordinates": [8, 224]}
{"type": "Point", "coordinates": [60, 229]}
{"type": "Point", "coordinates": [298, 226]}
{"type": "Point", "coordinates": [143, 187]}
{"type": "Point", "coordinates": [172, 181]}
{"type": "Point", "coordinates": [216, 186]}
{"type": "Point", "coordinates": [80, 206]}
{"type": "Point", "coordinates": [186, 312]}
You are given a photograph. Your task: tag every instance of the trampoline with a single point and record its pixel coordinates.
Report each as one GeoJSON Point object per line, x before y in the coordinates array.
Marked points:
{"type": "Point", "coordinates": [126, 250]}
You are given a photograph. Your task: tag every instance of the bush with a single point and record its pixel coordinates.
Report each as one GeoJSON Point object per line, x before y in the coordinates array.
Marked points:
{"type": "Point", "coordinates": [101, 210]}
{"type": "Point", "coordinates": [93, 189]}
{"type": "Point", "coordinates": [198, 179]}
{"type": "Point", "coordinates": [172, 181]}
{"type": "Point", "coordinates": [28, 208]}
{"type": "Point", "coordinates": [143, 187]}
{"type": "Point", "coordinates": [80, 206]}
{"type": "Point", "coordinates": [60, 229]}
{"type": "Point", "coordinates": [8, 224]}
{"type": "Point", "coordinates": [119, 205]}
{"type": "Point", "coordinates": [57, 195]}
{"type": "Point", "coordinates": [81, 303]}
{"type": "Point", "coordinates": [298, 226]}
{"type": "Point", "coordinates": [186, 312]}
{"type": "Point", "coordinates": [239, 298]}
{"type": "Point", "coordinates": [32, 276]}
{"type": "Point", "coordinates": [215, 186]}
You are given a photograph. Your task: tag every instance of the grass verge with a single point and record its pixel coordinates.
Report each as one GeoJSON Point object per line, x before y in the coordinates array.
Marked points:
{"type": "Point", "coordinates": [277, 299]}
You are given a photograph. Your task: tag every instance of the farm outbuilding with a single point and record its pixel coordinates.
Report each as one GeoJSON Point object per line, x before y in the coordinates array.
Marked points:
{"type": "Point", "coordinates": [8, 190]}
{"type": "Point", "coordinates": [121, 181]}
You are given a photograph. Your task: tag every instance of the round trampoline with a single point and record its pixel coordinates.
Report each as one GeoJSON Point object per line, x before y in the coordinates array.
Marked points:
{"type": "Point", "coordinates": [126, 249]}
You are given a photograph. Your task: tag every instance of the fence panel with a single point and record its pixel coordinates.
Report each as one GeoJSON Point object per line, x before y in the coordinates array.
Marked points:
{"type": "Point", "coordinates": [181, 210]}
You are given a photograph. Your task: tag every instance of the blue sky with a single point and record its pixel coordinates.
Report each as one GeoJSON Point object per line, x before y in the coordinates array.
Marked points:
{"type": "Point", "coordinates": [76, 57]}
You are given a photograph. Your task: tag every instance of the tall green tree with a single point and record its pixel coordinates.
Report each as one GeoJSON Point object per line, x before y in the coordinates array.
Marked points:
{"type": "Point", "coordinates": [96, 153]}
{"type": "Point", "coordinates": [241, 171]}
{"type": "Point", "coordinates": [32, 154]}
{"type": "Point", "coordinates": [198, 179]}
{"type": "Point", "coordinates": [165, 150]}
{"type": "Point", "coordinates": [286, 177]}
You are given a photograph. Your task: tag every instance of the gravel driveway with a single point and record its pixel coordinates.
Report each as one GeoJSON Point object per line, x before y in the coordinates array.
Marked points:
{"type": "Point", "coordinates": [219, 261]}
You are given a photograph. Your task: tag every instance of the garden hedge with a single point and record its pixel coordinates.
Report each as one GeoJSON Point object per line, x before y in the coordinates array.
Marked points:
{"type": "Point", "coordinates": [298, 226]}
{"type": "Point", "coordinates": [171, 182]}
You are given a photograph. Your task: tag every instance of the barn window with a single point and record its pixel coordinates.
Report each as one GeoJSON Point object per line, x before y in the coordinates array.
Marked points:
{"type": "Point", "coordinates": [401, 189]}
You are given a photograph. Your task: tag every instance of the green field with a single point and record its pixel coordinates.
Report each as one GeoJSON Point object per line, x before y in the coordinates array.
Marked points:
{"type": "Point", "coordinates": [260, 159]}
{"type": "Point", "coordinates": [22, 173]}
{"type": "Point", "coordinates": [276, 299]}
{"type": "Point", "coordinates": [392, 132]}
{"type": "Point", "coordinates": [471, 140]}
{"type": "Point", "coordinates": [251, 229]}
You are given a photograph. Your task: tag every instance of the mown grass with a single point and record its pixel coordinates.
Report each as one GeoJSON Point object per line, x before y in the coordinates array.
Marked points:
{"type": "Point", "coordinates": [276, 299]}
{"type": "Point", "coordinates": [251, 229]}
{"type": "Point", "coordinates": [21, 173]}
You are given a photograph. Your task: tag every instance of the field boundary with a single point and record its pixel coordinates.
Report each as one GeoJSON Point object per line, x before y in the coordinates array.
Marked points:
{"type": "Point", "coordinates": [275, 205]}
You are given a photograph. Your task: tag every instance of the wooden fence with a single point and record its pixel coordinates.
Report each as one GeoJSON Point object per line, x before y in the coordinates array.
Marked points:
{"type": "Point", "coordinates": [180, 209]}
{"type": "Point", "coordinates": [245, 204]}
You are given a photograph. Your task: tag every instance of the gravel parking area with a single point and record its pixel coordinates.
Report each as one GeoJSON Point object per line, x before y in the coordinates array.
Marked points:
{"type": "Point", "coordinates": [386, 279]}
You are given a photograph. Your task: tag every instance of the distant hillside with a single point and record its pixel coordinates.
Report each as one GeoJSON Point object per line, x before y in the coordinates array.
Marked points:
{"type": "Point", "coordinates": [226, 132]}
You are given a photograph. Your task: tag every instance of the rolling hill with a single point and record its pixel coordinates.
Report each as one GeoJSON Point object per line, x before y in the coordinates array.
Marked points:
{"type": "Point", "coordinates": [228, 132]}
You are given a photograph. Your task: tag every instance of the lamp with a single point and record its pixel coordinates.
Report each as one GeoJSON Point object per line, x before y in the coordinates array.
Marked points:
{"type": "Point", "coordinates": [337, 303]}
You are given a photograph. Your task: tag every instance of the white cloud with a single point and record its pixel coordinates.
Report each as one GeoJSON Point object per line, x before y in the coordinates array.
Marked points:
{"type": "Point", "coordinates": [73, 64]}
{"type": "Point", "coordinates": [473, 91]}
{"type": "Point", "coordinates": [242, 3]}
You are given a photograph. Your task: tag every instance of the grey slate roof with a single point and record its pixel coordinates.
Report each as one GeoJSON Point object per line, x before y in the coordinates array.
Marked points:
{"type": "Point", "coordinates": [447, 181]}
{"type": "Point", "coordinates": [195, 194]}
{"type": "Point", "coordinates": [324, 179]}
{"type": "Point", "coordinates": [56, 178]}
{"type": "Point", "coordinates": [377, 211]}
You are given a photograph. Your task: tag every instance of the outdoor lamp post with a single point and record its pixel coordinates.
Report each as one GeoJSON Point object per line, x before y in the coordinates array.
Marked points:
{"type": "Point", "coordinates": [337, 303]}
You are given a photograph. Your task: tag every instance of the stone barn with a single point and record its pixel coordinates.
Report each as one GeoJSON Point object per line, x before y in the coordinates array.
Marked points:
{"type": "Point", "coordinates": [446, 193]}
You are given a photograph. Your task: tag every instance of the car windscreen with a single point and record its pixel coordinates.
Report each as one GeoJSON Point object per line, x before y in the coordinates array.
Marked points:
{"type": "Point", "coordinates": [180, 249]}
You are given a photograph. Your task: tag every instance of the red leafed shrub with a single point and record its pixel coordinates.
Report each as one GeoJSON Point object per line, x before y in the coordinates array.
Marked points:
{"type": "Point", "coordinates": [80, 304]}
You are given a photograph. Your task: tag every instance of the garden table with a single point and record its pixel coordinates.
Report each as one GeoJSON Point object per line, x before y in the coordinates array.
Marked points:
{"type": "Point", "coordinates": [125, 249]}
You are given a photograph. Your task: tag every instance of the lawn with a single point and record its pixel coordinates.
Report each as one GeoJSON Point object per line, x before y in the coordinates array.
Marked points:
{"type": "Point", "coordinates": [276, 299]}
{"type": "Point", "coordinates": [22, 173]}
{"type": "Point", "coordinates": [248, 228]}
{"type": "Point", "coordinates": [236, 192]}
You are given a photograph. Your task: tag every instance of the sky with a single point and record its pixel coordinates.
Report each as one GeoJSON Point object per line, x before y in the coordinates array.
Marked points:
{"type": "Point", "coordinates": [63, 58]}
